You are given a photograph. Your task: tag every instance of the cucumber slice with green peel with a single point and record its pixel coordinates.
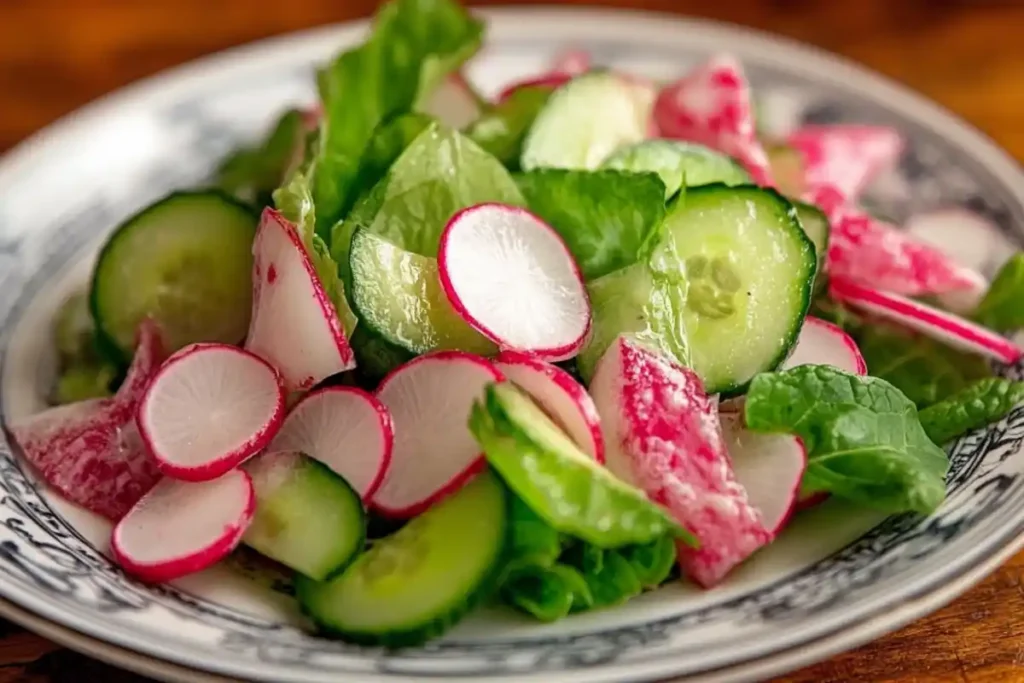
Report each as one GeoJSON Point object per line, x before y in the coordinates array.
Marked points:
{"type": "Point", "coordinates": [633, 301]}
{"type": "Point", "coordinates": [398, 295]}
{"type": "Point", "coordinates": [586, 120]}
{"type": "Point", "coordinates": [416, 583]}
{"type": "Point", "coordinates": [562, 484]}
{"type": "Point", "coordinates": [185, 261]}
{"type": "Point", "coordinates": [679, 164]}
{"type": "Point", "coordinates": [815, 224]}
{"type": "Point", "coordinates": [307, 517]}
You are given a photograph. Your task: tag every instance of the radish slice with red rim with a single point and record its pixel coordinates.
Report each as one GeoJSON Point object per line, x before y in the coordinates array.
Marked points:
{"type": "Point", "coordinates": [512, 278]}
{"type": "Point", "coordinates": [346, 429]}
{"type": "Point", "coordinates": [947, 328]}
{"type": "Point", "coordinates": [559, 395]}
{"type": "Point", "coordinates": [846, 157]}
{"type": "Point", "coordinates": [822, 343]}
{"type": "Point", "coordinates": [180, 528]}
{"type": "Point", "coordinates": [209, 408]}
{"type": "Point", "coordinates": [434, 454]}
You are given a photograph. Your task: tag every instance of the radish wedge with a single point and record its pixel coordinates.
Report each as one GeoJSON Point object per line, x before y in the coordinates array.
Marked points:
{"type": "Point", "coordinates": [511, 277]}
{"type": "Point", "coordinates": [434, 452]}
{"type": "Point", "coordinates": [822, 343]}
{"type": "Point", "coordinates": [180, 528]}
{"type": "Point", "coordinates": [662, 433]}
{"type": "Point", "coordinates": [294, 325]}
{"type": "Point", "coordinates": [454, 103]}
{"type": "Point", "coordinates": [210, 408]}
{"type": "Point", "coordinates": [945, 327]}
{"type": "Point", "coordinates": [560, 396]}
{"type": "Point", "coordinates": [769, 467]}
{"type": "Point", "coordinates": [845, 157]}
{"type": "Point", "coordinates": [346, 429]}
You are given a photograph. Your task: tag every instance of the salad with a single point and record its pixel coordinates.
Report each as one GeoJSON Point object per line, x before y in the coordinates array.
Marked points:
{"type": "Point", "coordinates": [431, 350]}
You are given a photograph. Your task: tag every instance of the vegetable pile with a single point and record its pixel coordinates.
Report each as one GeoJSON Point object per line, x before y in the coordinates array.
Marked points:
{"type": "Point", "coordinates": [564, 345]}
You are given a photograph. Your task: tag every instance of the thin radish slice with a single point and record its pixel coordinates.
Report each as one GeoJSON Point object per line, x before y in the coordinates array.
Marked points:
{"type": "Point", "coordinates": [91, 452]}
{"type": "Point", "coordinates": [453, 103]}
{"type": "Point", "coordinates": [559, 395]}
{"type": "Point", "coordinates": [769, 467]}
{"type": "Point", "coordinates": [294, 325]}
{"type": "Point", "coordinates": [179, 528]}
{"type": "Point", "coordinates": [434, 452]}
{"type": "Point", "coordinates": [662, 434]}
{"type": "Point", "coordinates": [210, 408]}
{"type": "Point", "coordinates": [945, 327]}
{"type": "Point", "coordinates": [346, 429]}
{"type": "Point", "coordinates": [511, 277]}
{"type": "Point", "coordinates": [845, 157]}
{"type": "Point", "coordinates": [822, 343]}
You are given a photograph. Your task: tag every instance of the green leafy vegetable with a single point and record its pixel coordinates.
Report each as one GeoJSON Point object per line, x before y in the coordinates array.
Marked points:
{"type": "Point", "coordinates": [1001, 308]}
{"type": "Point", "coordinates": [605, 217]}
{"type": "Point", "coordinates": [679, 164]}
{"type": "Point", "coordinates": [501, 128]}
{"type": "Point", "coordinates": [252, 173]}
{"type": "Point", "coordinates": [864, 439]}
{"type": "Point", "coordinates": [548, 593]}
{"type": "Point", "coordinates": [534, 541]}
{"type": "Point", "coordinates": [651, 562]}
{"type": "Point", "coordinates": [979, 404]}
{"type": "Point", "coordinates": [82, 382]}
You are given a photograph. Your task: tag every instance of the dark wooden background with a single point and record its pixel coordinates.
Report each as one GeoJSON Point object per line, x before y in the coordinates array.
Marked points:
{"type": "Point", "coordinates": [56, 55]}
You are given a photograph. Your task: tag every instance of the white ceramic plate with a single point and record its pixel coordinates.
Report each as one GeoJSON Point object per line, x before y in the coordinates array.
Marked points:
{"type": "Point", "coordinates": [836, 578]}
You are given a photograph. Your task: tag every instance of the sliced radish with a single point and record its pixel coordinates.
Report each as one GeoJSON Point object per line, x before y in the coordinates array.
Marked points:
{"type": "Point", "coordinates": [572, 62]}
{"type": "Point", "coordinates": [511, 277]}
{"type": "Point", "coordinates": [453, 102]}
{"type": "Point", "coordinates": [566, 66]}
{"type": "Point", "coordinates": [559, 395]}
{"type": "Point", "coordinates": [209, 408]}
{"type": "Point", "coordinates": [345, 428]}
{"type": "Point", "coordinates": [91, 451]}
{"type": "Point", "coordinates": [179, 528]}
{"type": "Point", "coordinates": [662, 434]}
{"type": "Point", "coordinates": [294, 325]}
{"type": "Point", "coordinates": [712, 106]}
{"type": "Point", "coordinates": [434, 452]}
{"type": "Point", "coordinates": [822, 343]}
{"type": "Point", "coordinates": [769, 467]}
{"type": "Point", "coordinates": [845, 157]}
{"type": "Point", "coordinates": [945, 327]}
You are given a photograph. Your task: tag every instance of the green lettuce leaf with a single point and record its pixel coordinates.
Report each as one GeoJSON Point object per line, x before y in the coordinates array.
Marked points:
{"type": "Point", "coordinates": [501, 128]}
{"type": "Point", "coordinates": [609, 576]}
{"type": "Point", "coordinates": [534, 541]}
{"type": "Point", "coordinates": [679, 164]}
{"type": "Point", "coordinates": [605, 217]}
{"type": "Point", "coordinates": [84, 381]}
{"type": "Point", "coordinates": [548, 593]}
{"type": "Point", "coordinates": [864, 438]}
{"type": "Point", "coordinates": [1001, 308]}
{"type": "Point", "coordinates": [979, 404]}
{"type": "Point", "coordinates": [651, 562]}
{"type": "Point", "coordinates": [252, 173]}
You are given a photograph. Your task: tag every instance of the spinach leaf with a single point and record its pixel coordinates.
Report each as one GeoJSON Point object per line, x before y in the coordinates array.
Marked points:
{"type": "Point", "coordinates": [979, 404]}
{"type": "Point", "coordinates": [1001, 307]}
{"type": "Point", "coordinates": [252, 173]}
{"type": "Point", "coordinates": [501, 129]}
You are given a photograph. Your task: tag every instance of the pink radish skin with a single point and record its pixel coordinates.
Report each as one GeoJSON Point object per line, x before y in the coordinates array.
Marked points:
{"type": "Point", "coordinates": [559, 395]}
{"type": "Point", "coordinates": [294, 325]}
{"type": "Point", "coordinates": [511, 277]}
{"type": "Point", "coordinates": [91, 452]}
{"type": "Point", "coordinates": [346, 429]}
{"type": "Point", "coordinates": [822, 343]}
{"type": "Point", "coordinates": [845, 157]}
{"type": "Point", "coordinates": [662, 434]}
{"type": "Point", "coordinates": [944, 327]}
{"type": "Point", "coordinates": [769, 467]}
{"type": "Point", "coordinates": [180, 528]}
{"type": "Point", "coordinates": [434, 454]}
{"type": "Point", "coordinates": [210, 408]}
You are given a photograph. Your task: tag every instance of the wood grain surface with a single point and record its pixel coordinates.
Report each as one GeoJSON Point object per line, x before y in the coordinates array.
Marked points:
{"type": "Point", "coordinates": [56, 55]}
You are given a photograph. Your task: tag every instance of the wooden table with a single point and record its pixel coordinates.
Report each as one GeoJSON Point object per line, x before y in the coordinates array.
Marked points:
{"type": "Point", "coordinates": [56, 55]}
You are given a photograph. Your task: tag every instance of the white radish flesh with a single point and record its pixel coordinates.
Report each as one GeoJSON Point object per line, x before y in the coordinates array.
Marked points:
{"type": "Point", "coordinates": [822, 343]}
{"type": "Point", "coordinates": [453, 103]}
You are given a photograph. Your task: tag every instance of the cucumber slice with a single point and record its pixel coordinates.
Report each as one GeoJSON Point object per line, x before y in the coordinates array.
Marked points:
{"type": "Point", "coordinates": [398, 295]}
{"type": "Point", "coordinates": [586, 120]}
{"type": "Point", "coordinates": [679, 163]}
{"type": "Point", "coordinates": [418, 582]}
{"type": "Point", "coordinates": [375, 357]}
{"type": "Point", "coordinates": [749, 269]}
{"type": "Point", "coordinates": [632, 301]}
{"type": "Point", "coordinates": [186, 261]}
{"type": "Point", "coordinates": [307, 517]}
{"type": "Point", "coordinates": [565, 487]}
{"type": "Point", "coordinates": [815, 224]}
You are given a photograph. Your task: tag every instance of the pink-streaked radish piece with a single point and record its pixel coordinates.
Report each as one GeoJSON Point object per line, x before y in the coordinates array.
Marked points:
{"type": "Point", "coordinates": [712, 106]}
{"type": "Point", "coordinates": [572, 62]}
{"type": "Point", "coordinates": [346, 429]}
{"type": "Point", "coordinates": [91, 452]}
{"type": "Point", "coordinates": [434, 454]}
{"type": "Point", "coordinates": [180, 528]}
{"type": "Point", "coordinates": [209, 408]}
{"type": "Point", "coordinates": [559, 395]}
{"type": "Point", "coordinates": [453, 102]}
{"type": "Point", "coordinates": [662, 434]}
{"type": "Point", "coordinates": [294, 325]}
{"type": "Point", "coordinates": [947, 328]}
{"type": "Point", "coordinates": [510, 276]}
{"type": "Point", "coordinates": [845, 157]}
{"type": "Point", "coordinates": [822, 343]}
{"type": "Point", "coordinates": [769, 467]}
